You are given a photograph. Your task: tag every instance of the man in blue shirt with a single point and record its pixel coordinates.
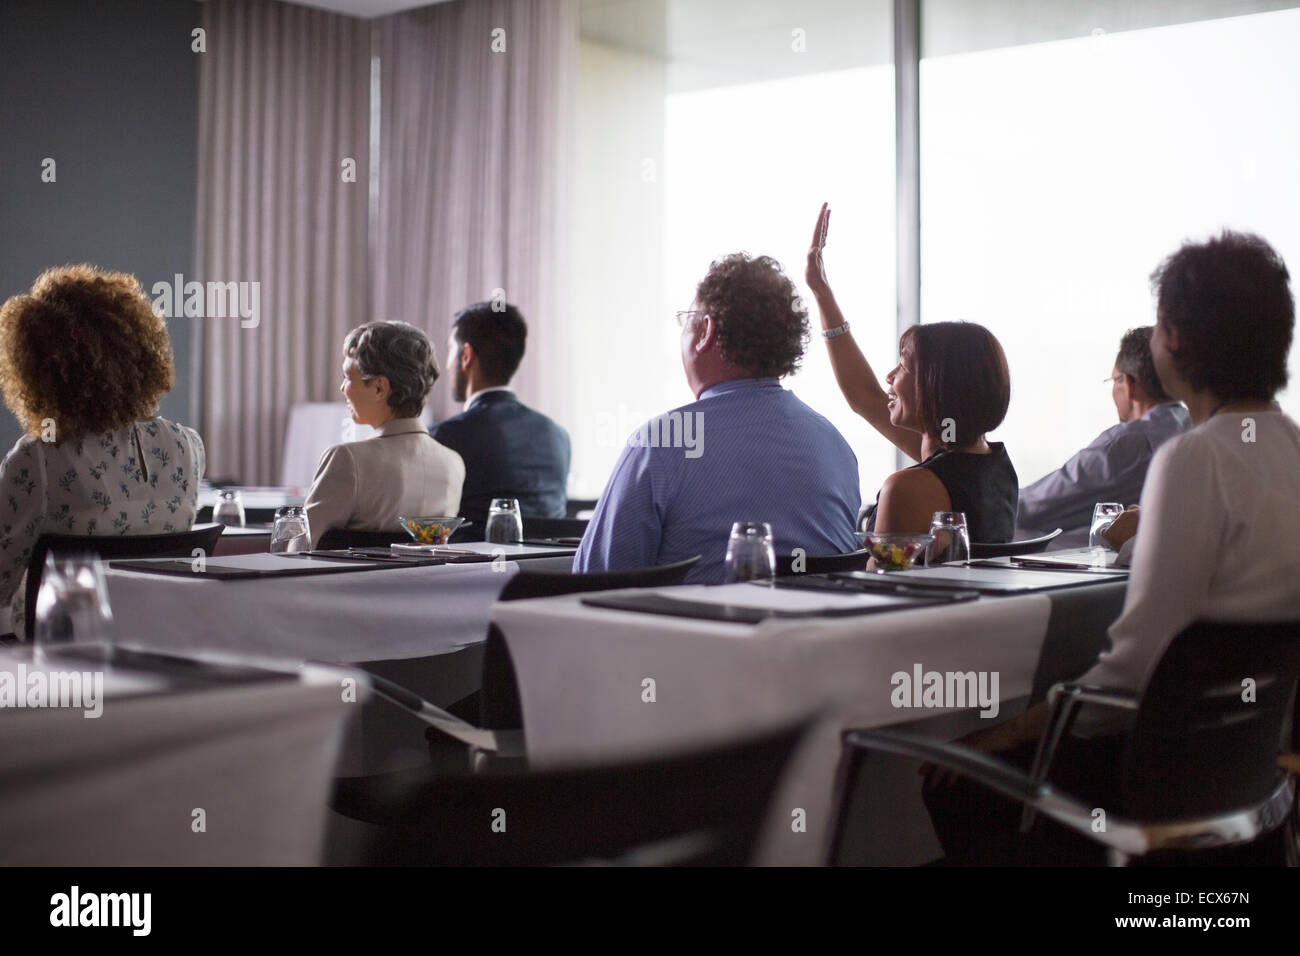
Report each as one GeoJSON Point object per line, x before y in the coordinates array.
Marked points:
{"type": "Point", "coordinates": [1114, 466]}
{"type": "Point", "coordinates": [747, 450]}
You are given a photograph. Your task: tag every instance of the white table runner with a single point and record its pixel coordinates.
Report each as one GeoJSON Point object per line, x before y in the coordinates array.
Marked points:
{"type": "Point", "coordinates": [581, 672]}
{"type": "Point", "coordinates": [340, 618]}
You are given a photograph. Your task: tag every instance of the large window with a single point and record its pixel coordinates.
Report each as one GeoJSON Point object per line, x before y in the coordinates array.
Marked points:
{"type": "Point", "coordinates": [1056, 175]}
{"type": "Point", "coordinates": [1066, 148]}
{"type": "Point", "coordinates": [709, 128]}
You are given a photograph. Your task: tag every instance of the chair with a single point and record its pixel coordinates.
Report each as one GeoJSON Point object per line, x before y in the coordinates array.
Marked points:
{"type": "Point", "coordinates": [498, 737]}
{"type": "Point", "coordinates": [312, 427]}
{"type": "Point", "coordinates": [180, 544]}
{"type": "Point", "coordinates": [336, 539]}
{"type": "Point", "coordinates": [531, 584]}
{"type": "Point", "coordinates": [703, 807]}
{"type": "Point", "coordinates": [823, 563]}
{"type": "Point", "coordinates": [1199, 767]}
{"type": "Point", "coordinates": [1010, 548]}
{"type": "Point", "coordinates": [554, 527]}
{"type": "Point", "coordinates": [575, 506]}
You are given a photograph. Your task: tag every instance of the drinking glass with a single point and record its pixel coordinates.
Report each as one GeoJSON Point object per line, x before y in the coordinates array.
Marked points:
{"type": "Point", "coordinates": [290, 534]}
{"type": "Point", "coordinates": [504, 523]}
{"type": "Point", "coordinates": [72, 602]}
{"type": "Point", "coordinates": [1102, 515]}
{"type": "Point", "coordinates": [750, 555]}
{"type": "Point", "coordinates": [950, 541]}
{"type": "Point", "coordinates": [229, 509]}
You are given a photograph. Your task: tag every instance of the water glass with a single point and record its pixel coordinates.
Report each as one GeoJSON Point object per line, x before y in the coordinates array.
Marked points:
{"type": "Point", "coordinates": [290, 533]}
{"type": "Point", "coordinates": [504, 523]}
{"type": "Point", "coordinates": [1102, 515]}
{"type": "Point", "coordinates": [950, 540]}
{"type": "Point", "coordinates": [229, 509]}
{"type": "Point", "coordinates": [72, 602]}
{"type": "Point", "coordinates": [750, 554]}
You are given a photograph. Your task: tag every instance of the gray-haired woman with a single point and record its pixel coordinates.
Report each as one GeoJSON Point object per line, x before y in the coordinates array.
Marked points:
{"type": "Point", "coordinates": [388, 369]}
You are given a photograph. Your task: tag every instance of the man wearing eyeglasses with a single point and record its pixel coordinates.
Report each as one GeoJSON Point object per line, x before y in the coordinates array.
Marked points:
{"type": "Point", "coordinates": [1114, 466]}
{"type": "Point", "coordinates": [747, 450]}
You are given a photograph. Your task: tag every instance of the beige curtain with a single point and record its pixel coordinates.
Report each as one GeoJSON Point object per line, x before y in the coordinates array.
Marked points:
{"type": "Point", "coordinates": [284, 97]}
{"type": "Point", "coordinates": [475, 100]}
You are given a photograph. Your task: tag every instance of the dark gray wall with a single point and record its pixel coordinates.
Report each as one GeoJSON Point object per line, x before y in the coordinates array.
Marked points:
{"type": "Point", "coordinates": [109, 90]}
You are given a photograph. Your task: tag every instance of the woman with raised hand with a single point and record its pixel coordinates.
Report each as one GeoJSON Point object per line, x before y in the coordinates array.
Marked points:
{"type": "Point", "coordinates": [951, 386]}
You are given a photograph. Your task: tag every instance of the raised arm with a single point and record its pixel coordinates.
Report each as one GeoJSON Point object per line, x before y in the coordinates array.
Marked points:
{"type": "Point", "coordinates": [853, 373]}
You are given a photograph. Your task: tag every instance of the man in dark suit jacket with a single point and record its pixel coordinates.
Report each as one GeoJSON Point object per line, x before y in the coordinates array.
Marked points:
{"type": "Point", "coordinates": [510, 451]}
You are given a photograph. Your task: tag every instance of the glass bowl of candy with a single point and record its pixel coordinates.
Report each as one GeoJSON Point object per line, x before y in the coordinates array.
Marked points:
{"type": "Point", "coordinates": [433, 530]}
{"type": "Point", "coordinates": [895, 551]}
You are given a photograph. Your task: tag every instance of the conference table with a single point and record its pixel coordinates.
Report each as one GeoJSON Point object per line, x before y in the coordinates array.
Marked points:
{"type": "Point", "coordinates": [422, 626]}
{"type": "Point", "coordinates": [216, 761]}
{"type": "Point", "coordinates": [601, 684]}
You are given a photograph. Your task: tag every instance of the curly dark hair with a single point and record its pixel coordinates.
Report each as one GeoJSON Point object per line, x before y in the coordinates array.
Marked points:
{"type": "Point", "coordinates": [1230, 300]}
{"type": "Point", "coordinates": [85, 349]}
{"type": "Point", "coordinates": [761, 321]}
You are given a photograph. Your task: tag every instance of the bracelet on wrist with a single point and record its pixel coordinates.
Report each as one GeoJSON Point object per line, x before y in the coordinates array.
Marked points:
{"type": "Point", "coordinates": [832, 333]}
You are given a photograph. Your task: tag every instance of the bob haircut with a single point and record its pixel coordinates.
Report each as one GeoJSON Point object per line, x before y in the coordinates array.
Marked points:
{"type": "Point", "coordinates": [963, 384]}
{"type": "Point", "coordinates": [84, 350]}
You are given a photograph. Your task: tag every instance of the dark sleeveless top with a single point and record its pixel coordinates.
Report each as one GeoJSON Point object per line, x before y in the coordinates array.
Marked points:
{"type": "Point", "coordinates": [985, 487]}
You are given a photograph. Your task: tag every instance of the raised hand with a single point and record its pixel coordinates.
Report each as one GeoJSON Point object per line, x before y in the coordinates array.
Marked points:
{"type": "Point", "coordinates": [816, 271]}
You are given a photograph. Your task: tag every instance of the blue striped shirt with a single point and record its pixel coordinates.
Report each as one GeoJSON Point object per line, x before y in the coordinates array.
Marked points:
{"type": "Point", "coordinates": [748, 450]}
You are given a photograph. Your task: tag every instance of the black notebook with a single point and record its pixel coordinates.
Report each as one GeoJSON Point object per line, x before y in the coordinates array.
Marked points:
{"type": "Point", "coordinates": [653, 603]}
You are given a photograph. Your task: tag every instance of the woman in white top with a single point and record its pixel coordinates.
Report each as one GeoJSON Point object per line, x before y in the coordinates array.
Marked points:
{"type": "Point", "coordinates": [84, 360]}
{"type": "Point", "coordinates": [388, 369]}
{"type": "Point", "coordinates": [1219, 531]}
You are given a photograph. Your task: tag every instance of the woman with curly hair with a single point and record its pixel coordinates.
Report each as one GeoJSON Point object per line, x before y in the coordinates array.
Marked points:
{"type": "Point", "coordinates": [84, 361]}
{"type": "Point", "coordinates": [950, 387]}
{"type": "Point", "coordinates": [388, 369]}
{"type": "Point", "coordinates": [746, 450]}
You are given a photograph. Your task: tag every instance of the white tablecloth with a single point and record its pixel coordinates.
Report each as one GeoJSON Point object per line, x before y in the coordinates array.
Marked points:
{"type": "Point", "coordinates": [256, 757]}
{"type": "Point", "coordinates": [580, 673]}
{"type": "Point", "coordinates": [340, 618]}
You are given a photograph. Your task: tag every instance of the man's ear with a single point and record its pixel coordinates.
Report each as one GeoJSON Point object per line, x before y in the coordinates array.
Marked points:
{"type": "Point", "coordinates": [466, 355]}
{"type": "Point", "coordinates": [1126, 384]}
{"type": "Point", "coordinates": [708, 334]}
{"type": "Point", "coordinates": [383, 388]}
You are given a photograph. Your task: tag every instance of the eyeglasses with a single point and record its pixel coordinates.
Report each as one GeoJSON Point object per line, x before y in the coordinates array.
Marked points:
{"type": "Point", "coordinates": [685, 314]}
{"type": "Point", "coordinates": [1113, 379]}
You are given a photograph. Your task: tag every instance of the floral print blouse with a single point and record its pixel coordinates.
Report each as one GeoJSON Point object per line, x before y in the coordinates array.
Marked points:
{"type": "Point", "coordinates": [141, 479]}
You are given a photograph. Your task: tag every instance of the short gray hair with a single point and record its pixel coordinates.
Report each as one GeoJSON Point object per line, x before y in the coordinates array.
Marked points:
{"type": "Point", "coordinates": [400, 352]}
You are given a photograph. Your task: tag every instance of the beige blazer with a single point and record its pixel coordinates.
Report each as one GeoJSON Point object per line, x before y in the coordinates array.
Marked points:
{"type": "Point", "coordinates": [399, 470]}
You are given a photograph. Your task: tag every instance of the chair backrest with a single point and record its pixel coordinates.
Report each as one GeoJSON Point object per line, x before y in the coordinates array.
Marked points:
{"type": "Point", "coordinates": [704, 807]}
{"type": "Point", "coordinates": [1027, 546]}
{"type": "Point", "coordinates": [313, 427]}
{"type": "Point", "coordinates": [1213, 718]}
{"type": "Point", "coordinates": [555, 527]}
{"type": "Point", "coordinates": [338, 538]}
{"type": "Point", "coordinates": [180, 544]}
{"type": "Point", "coordinates": [528, 584]}
{"type": "Point", "coordinates": [575, 506]}
{"type": "Point", "coordinates": [823, 563]}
